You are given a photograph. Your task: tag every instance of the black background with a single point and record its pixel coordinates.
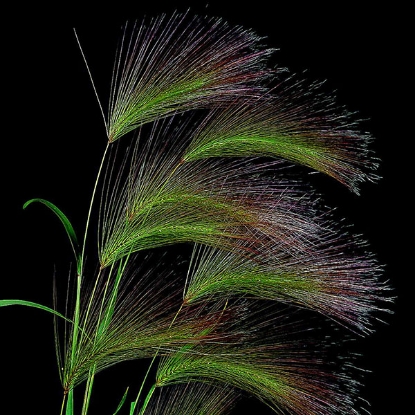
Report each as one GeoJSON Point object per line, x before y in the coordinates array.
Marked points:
{"type": "Point", "coordinates": [53, 138]}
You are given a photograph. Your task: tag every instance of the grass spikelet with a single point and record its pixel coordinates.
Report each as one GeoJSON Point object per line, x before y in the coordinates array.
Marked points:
{"type": "Point", "coordinates": [289, 376]}
{"type": "Point", "coordinates": [165, 201]}
{"type": "Point", "coordinates": [180, 63]}
{"type": "Point", "coordinates": [140, 297]}
{"type": "Point", "coordinates": [344, 287]}
{"type": "Point", "coordinates": [297, 123]}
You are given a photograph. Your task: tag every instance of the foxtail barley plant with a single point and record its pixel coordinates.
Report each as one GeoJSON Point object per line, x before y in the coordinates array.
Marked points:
{"type": "Point", "coordinates": [206, 149]}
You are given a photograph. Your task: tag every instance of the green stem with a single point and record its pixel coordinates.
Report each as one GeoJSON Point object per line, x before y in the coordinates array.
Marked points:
{"type": "Point", "coordinates": [92, 202]}
{"type": "Point", "coordinates": [63, 403]}
{"type": "Point", "coordinates": [134, 404]}
{"type": "Point", "coordinates": [174, 319]}
{"type": "Point", "coordinates": [103, 324]}
{"type": "Point", "coordinates": [76, 320]}
{"type": "Point", "coordinates": [88, 390]}
{"type": "Point", "coordinates": [90, 303]}
{"type": "Point", "coordinates": [100, 324]}
{"type": "Point", "coordinates": [147, 400]}
{"type": "Point", "coordinates": [75, 333]}
{"type": "Point", "coordinates": [114, 295]}
{"type": "Point", "coordinates": [69, 403]}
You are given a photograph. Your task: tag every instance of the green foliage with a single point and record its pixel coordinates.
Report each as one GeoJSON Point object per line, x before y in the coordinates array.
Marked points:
{"type": "Point", "coordinates": [5, 303]}
{"type": "Point", "coordinates": [120, 405]}
{"type": "Point", "coordinates": [66, 224]}
{"type": "Point", "coordinates": [208, 138]}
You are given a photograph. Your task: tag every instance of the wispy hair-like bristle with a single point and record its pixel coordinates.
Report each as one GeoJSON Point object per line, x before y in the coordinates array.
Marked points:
{"type": "Point", "coordinates": [193, 399]}
{"type": "Point", "coordinates": [180, 63]}
{"type": "Point", "coordinates": [291, 376]}
{"type": "Point", "coordinates": [143, 294]}
{"type": "Point", "coordinates": [295, 122]}
{"type": "Point", "coordinates": [333, 279]}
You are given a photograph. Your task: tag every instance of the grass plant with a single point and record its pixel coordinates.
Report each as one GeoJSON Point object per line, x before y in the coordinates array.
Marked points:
{"type": "Point", "coordinates": [203, 137]}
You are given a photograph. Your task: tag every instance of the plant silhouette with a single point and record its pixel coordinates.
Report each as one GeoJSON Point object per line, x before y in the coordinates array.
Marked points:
{"type": "Point", "coordinates": [208, 149]}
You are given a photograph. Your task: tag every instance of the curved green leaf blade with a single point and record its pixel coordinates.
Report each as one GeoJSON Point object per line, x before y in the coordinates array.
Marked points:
{"type": "Point", "coordinates": [5, 303]}
{"type": "Point", "coordinates": [120, 405]}
{"type": "Point", "coordinates": [66, 224]}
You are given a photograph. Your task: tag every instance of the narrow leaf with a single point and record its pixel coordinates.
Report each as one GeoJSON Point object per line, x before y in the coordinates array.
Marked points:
{"type": "Point", "coordinates": [120, 405]}
{"type": "Point", "coordinates": [4, 303]}
{"type": "Point", "coordinates": [66, 223]}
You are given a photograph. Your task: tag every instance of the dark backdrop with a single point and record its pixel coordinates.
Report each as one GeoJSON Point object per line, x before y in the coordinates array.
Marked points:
{"type": "Point", "coordinates": [54, 136]}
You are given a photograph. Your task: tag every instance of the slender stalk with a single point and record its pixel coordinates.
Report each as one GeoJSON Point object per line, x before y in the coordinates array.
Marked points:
{"type": "Point", "coordinates": [92, 202]}
{"type": "Point", "coordinates": [79, 276]}
{"type": "Point", "coordinates": [178, 311]}
{"type": "Point", "coordinates": [91, 372]}
{"type": "Point", "coordinates": [75, 333]}
{"type": "Point", "coordinates": [90, 301]}
{"type": "Point", "coordinates": [114, 294]}
{"type": "Point", "coordinates": [102, 326]}
{"type": "Point", "coordinates": [76, 320]}
{"type": "Point", "coordinates": [88, 390]}
{"type": "Point", "coordinates": [69, 403]}
{"type": "Point", "coordinates": [134, 404]}
{"type": "Point", "coordinates": [101, 311]}
{"type": "Point", "coordinates": [147, 400]}
{"type": "Point", "coordinates": [63, 403]}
